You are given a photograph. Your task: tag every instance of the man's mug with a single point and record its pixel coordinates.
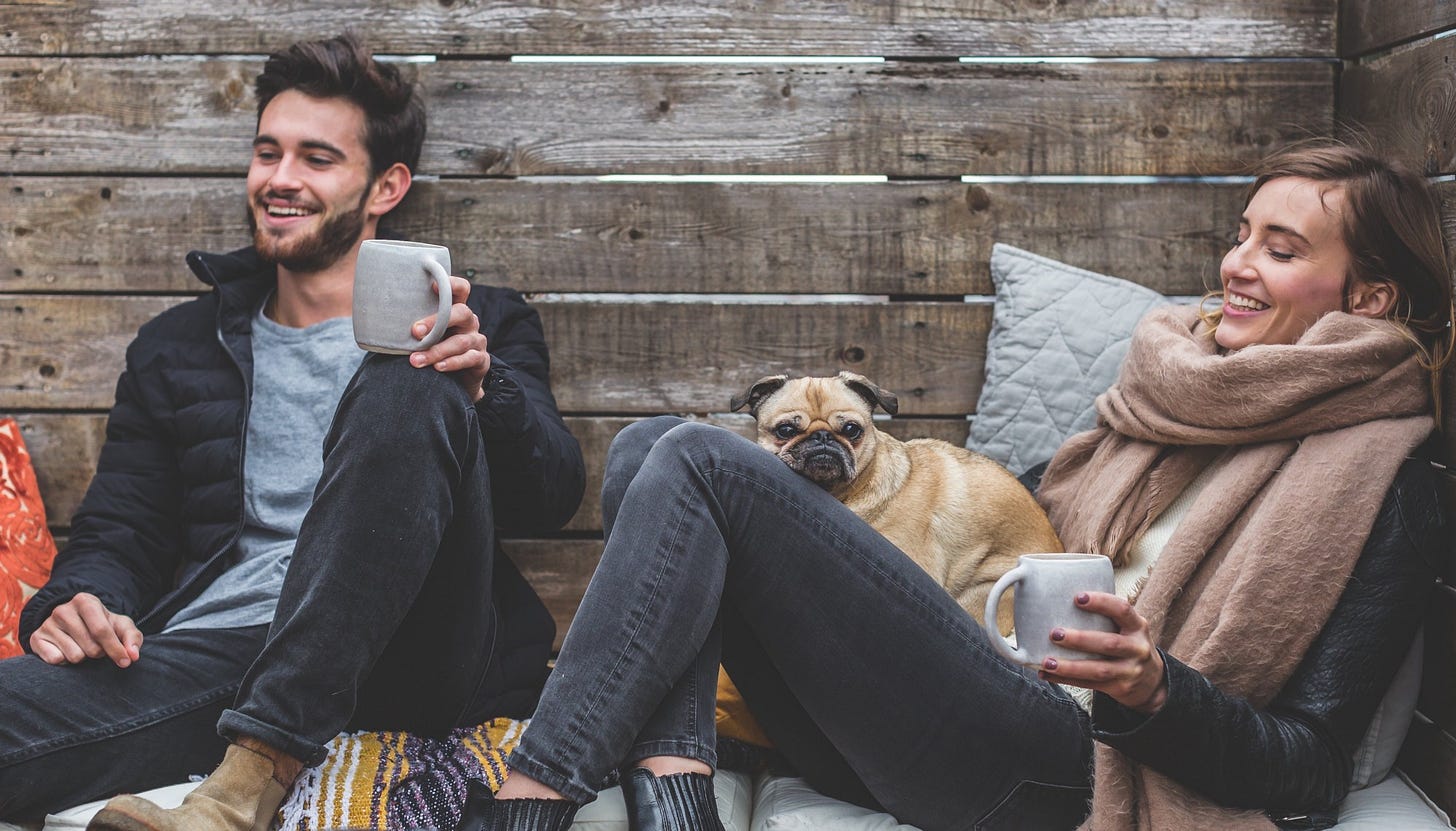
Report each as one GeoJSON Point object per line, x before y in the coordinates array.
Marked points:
{"type": "Point", "coordinates": [392, 292]}
{"type": "Point", "coordinates": [1046, 586]}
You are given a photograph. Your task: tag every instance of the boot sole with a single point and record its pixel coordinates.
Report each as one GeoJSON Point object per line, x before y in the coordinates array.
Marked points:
{"type": "Point", "coordinates": [111, 819]}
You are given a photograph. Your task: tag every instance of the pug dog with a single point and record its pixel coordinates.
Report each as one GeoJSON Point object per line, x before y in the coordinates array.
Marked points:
{"type": "Point", "coordinates": [959, 515]}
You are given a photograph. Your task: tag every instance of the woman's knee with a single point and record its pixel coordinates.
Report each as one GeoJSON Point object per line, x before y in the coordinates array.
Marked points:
{"type": "Point", "coordinates": [625, 456]}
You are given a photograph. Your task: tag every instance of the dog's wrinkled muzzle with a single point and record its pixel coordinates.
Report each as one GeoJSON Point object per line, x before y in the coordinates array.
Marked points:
{"type": "Point", "coordinates": [822, 459]}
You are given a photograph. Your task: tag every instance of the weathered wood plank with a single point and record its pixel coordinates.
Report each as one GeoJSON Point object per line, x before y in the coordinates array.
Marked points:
{"type": "Point", "coordinates": [65, 447]}
{"type": "Point", "coordinates": [1368, 25]}
{"type": "Point", "coordinates": [911, 119]}
{"type": "Point", "coordinates": [736, 27]}
{"type": "Point", "coordinates": [1439, 669]}
{"type": "Point", "coordinates": [1428, 757]}
{"type": "Point", "coordinates": [1406, 99]}
{"type": "Point", "coordinates": [651, 357]}
{"type": "Point", "coordinates": [64, 352]}
{"type": "Point", "coordinates": [106, 234]}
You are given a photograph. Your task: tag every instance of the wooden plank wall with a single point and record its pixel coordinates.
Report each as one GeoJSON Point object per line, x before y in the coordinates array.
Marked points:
{"type": "Point", "coordinates": [125, 134]}
{"type": "Point", "coordinates": [1398, 85]}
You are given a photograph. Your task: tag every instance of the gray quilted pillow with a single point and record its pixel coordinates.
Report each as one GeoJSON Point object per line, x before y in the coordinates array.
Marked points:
{"type": "Point", "coordinates": [1058, 335]}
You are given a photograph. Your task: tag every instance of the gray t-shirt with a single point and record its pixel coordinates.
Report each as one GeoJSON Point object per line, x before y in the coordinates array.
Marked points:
{"type": "Point", "coordinates": [298, 377]}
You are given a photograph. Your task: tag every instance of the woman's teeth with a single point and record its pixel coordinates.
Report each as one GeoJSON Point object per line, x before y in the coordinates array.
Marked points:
{"type": "Point", "coordinates": [1248, 304]}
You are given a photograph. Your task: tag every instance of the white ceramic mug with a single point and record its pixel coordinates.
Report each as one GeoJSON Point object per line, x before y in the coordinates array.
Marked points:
{"type": "Point", "coordinates": [1046, 588]}
{"type": "Point", "coordinates": [392, 282]}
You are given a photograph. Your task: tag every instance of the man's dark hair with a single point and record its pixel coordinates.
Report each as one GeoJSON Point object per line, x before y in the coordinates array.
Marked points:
{"type": "Point", "coordinates": [342, 67]}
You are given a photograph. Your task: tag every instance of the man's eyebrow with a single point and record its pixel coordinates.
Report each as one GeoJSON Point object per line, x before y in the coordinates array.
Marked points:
{"type": "Point", "coordinates": [264, 138]}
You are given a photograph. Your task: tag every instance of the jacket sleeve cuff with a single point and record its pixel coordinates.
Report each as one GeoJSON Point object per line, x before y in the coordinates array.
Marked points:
{"type": "Point", "coordinates": [502, 407]}
{"type": "Point", "coordinates": [1122, 727]}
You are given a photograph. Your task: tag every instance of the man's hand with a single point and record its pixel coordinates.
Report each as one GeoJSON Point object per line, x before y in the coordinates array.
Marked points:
{"type": "Point", "coordinates": [462, 350]}
{"type": "Point", "coordinates": [83, 628]}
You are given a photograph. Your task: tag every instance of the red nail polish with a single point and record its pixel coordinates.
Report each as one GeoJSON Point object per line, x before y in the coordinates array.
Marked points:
{"type": "Point", "coordinates": [1058, 633]}
{"type": "Point", "coordinates": [1083, 599]}
{"type": "Point", "coordinates": [1050, 663]}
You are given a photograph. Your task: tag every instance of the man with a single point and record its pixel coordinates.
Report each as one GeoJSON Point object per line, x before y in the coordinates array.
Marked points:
{"type": "Point", "coordinates": [212, 516]}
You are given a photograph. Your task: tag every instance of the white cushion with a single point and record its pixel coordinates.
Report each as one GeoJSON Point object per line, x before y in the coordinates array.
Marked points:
{"type": "Point", "coordinates": [1376, 755]}
{"type": "Point", "coordinates": [789, 804]}
{"type": "Point", "coordinates": [77, 817]}
{"type": "Point", "coordinates": [1058, 336]}
{"type": "Point", "coordinates": [733, 790]}
{"type": "Point", "coordinates": [1392, 805]}
{"type": "Point", "coordinates": [785, 803]}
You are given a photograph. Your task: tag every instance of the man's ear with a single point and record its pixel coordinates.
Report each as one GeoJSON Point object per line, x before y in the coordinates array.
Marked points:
{"type": "Point", "coordinates": [389, 187]}
{"type": "Point", "coordinates": [1372, 299]}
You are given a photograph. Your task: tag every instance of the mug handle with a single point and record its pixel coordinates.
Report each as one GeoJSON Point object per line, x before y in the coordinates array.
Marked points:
{"type": "Point", "coordinates": [993, 630]}
{"type": "Point", "coordinates": [442, 317]}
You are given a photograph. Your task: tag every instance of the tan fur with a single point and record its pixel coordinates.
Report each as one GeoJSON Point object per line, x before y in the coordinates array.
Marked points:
{"type": "Point", "coordinates": [959, 515]}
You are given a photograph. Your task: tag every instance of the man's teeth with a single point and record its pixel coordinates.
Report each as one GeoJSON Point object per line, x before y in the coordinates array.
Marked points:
{"type": "Point", "coordinates": [1238, 301]}
{"type": "Point", "coordinates": [274, 210]}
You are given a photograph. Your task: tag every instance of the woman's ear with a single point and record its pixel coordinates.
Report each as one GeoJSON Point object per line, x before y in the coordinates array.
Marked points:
{"type": "Point", "coordinates": [1372, 299]}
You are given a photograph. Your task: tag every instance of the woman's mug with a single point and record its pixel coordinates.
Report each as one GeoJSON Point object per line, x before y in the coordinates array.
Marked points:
{"type": "Point", "coordinates": [392, 280]}
{"type": "Point", "coordinates": [1046, 588]}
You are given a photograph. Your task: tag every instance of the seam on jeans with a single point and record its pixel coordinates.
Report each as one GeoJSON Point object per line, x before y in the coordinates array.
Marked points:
{"type": "Point", "coordinates": [150, 719]}
{"type": "Point", "coordinates": [578, 725]}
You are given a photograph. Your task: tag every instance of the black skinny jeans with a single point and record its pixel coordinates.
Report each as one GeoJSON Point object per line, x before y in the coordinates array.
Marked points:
{"type": "Point", "coordinates": [869, 678]}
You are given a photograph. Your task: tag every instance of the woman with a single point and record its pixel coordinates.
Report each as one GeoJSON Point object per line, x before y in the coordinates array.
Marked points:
{"type": "Point", "coordinates": [1257, 457]}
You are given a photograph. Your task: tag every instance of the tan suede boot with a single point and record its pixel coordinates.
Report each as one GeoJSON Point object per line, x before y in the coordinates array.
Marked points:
{"type": "Point", "coordinates": [243, 794]}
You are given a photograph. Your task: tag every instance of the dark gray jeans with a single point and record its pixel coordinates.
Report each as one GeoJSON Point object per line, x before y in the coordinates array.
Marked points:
{"type": "Point", "coordinates": [869, 678]}
{"type": "Point", "coordinates": [385, 621]}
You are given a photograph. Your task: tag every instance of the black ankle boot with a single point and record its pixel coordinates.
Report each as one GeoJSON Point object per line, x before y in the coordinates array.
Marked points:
{"type": "Point", "coordinates": [483, 812]}
{"type": "Point", "coordinates": [677, 802]}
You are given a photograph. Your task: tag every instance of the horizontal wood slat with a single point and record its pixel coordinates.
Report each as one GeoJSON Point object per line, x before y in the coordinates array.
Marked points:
{"type": "Point", "coordinates": [64, 448]}
{"type": "Point", "coordinates": [65, 351]}
{"type": "Point", "coordinates": [1407, 101]}
{"type": "Point", "coordinates": [912, 119]}
{"type": "Point", "coordinates": [1368, 25]}
{"type": "Point", "coordinates": [559, 571]}
{"type": "Point", "coordinates": [130, 234]}
{"type": "Point", "coordinates": [735, 27]}
{"type": "Point", "coordinates": [1428, 757]}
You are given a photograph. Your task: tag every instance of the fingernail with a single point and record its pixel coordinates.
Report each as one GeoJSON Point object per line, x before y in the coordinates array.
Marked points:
{"type": "Point", "coordinates": [1058, 633]}
{"type": "Point", "coordinates": [417, 359]}
{"type": "Point", "coordinates": [1050, 663]}
{"type": "Point", "coordinates": [1083, 599]}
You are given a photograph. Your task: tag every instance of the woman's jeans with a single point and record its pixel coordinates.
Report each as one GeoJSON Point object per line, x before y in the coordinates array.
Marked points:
{"type": "Point", "coordinates": [867, 675]}
{"type": "Point", "coordinates": [385, 621]}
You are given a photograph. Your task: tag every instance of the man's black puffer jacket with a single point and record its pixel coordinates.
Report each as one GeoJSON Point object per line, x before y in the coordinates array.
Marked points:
{"type": "Point", "coordinates": [1294, 757]}
{"type": "Point", "coordinates": [167, 500]}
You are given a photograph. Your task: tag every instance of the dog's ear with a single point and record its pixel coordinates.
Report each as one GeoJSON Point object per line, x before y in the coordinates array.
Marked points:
{"type": "Point", "coordinates": [761, 389]}
{"type": "Point", "coordinates": [871, 393]}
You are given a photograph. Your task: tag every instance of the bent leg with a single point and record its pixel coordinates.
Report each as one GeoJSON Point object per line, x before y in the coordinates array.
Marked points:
{"type": "Point", "coordinates": [898, 678]}
{"type": "Point", "coordinates": [391, 575]}
{"type": "Point", "coordinates": [71, 734]}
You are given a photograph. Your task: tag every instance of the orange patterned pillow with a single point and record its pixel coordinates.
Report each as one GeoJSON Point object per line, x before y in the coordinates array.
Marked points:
{"type": "Point", "coordinates": [26, 547]}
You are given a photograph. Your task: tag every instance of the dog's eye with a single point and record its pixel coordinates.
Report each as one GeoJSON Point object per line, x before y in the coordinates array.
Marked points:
{"type": "Point", "coordinates": [786, 431]}
{"type": "Point", "coordinates": [851, 431]}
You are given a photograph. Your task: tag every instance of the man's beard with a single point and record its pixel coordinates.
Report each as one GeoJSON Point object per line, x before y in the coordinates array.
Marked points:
{"type": "Point", "coordinates": [333, 239]}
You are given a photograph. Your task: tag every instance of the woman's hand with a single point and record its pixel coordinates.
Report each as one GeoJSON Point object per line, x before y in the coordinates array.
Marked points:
{"type": "Point", "coordinates": [1132, 670]}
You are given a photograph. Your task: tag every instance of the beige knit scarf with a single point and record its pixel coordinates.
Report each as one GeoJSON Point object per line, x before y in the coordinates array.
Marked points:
{"type": "Point", "coordinates": [1309, 435]}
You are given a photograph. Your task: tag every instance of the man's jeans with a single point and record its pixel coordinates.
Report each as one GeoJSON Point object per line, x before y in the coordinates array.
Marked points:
{"type": "Point", "coordinates": [870, 679]}
{"type": "Point", "coordinates": [385, 621]}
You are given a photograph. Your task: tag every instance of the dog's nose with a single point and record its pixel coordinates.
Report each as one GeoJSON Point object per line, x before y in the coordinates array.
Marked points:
{"type": "Point", "coordinates": [821, 437]}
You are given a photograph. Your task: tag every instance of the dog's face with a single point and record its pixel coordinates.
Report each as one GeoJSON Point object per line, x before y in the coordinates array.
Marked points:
{"type": "Point", "coordinates": [820, 427]}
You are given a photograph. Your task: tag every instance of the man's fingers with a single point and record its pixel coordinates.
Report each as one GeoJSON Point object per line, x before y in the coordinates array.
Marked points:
{"type": "Point", "coordinates": [129, 636]}
{"type": "Point", "coordinates": [47, 651]}
{"type": "Point", "coordinates": [99, 637]}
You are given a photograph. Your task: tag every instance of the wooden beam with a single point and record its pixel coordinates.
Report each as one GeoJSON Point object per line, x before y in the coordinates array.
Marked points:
{"type": "Point", "coordinates": [1406, 100]}
{"type": "Point", "coordinates": [1371, 25]}
{"type": "Point", "coordinates": [623, 358]}
{"type": "Point", "coordinates": [106, 234]}
{"type": "Point", "coordinates": [734, 27]}
{"type": "Point", "coordinates": [97, 115]}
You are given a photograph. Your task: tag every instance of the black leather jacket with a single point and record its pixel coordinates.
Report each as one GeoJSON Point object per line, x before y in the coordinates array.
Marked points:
{"type": "Point", "coordinates": [1294, 757]}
